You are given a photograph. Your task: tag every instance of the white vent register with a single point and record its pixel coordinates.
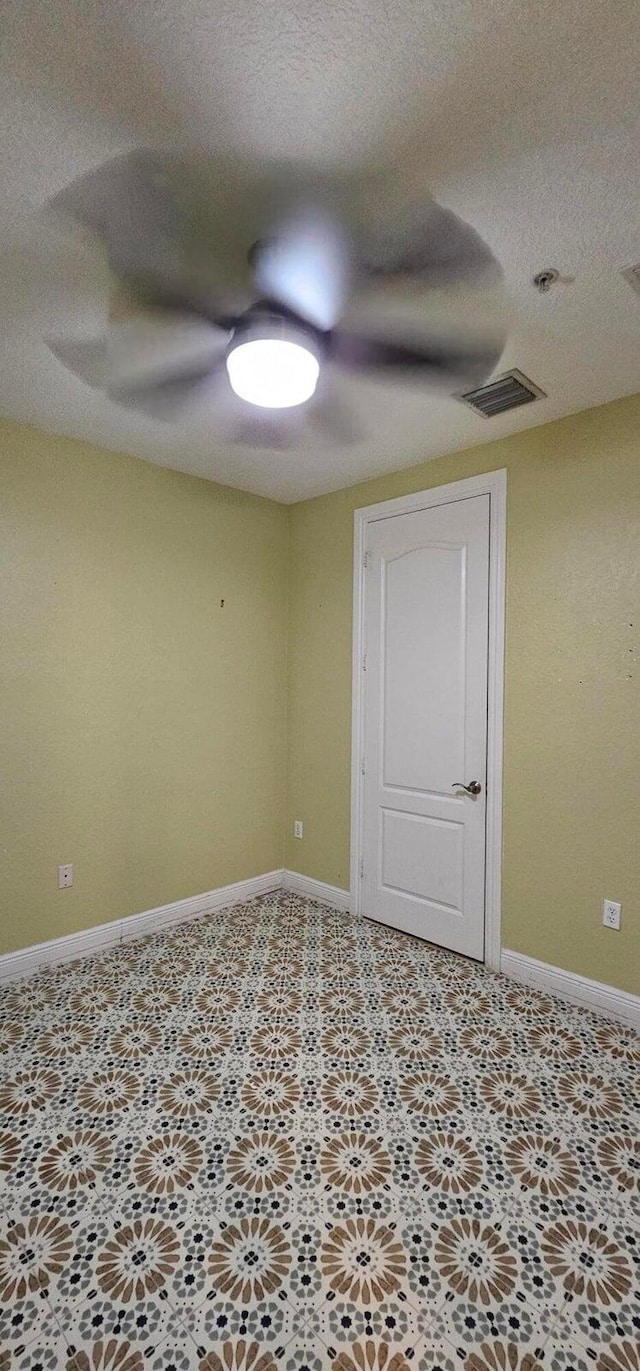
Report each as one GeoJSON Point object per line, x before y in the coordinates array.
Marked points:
{"type": "Point", "coordinates": [507, 392]}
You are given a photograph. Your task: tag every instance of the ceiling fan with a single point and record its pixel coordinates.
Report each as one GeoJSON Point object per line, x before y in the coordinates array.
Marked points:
{"type": "Point", "coordinates": [267, 289]}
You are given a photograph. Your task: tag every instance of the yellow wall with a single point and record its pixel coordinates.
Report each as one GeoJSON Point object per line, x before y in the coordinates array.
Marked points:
{"type": "Point", "coordinates": [141, 724]}
{"type": "Point", "coordinates": [572, 717]}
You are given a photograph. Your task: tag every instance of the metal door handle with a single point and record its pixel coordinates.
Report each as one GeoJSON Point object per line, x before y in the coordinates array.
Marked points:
{"type": "Point", "coordinates": [473, 788]}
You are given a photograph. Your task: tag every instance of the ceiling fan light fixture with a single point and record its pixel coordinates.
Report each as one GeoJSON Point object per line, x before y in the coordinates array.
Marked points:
{"type": "Point", "coordinates": [275, 367]}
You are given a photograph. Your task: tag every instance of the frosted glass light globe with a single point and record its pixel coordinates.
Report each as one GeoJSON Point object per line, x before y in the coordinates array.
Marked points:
{"type": "Point", "coordinates": [272, 372]}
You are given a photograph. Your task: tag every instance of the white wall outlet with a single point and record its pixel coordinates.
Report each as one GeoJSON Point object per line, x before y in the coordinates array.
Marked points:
{"type": "Point", "coordinates": [611, 914]}
{"type": "Point", "coordinates": [297, 828]}
{"type": "Point", "coordinates": [65, 876]}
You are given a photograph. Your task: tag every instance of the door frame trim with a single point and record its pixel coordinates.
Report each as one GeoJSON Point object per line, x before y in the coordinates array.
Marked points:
{"type": "Point", "coordinates": [494, 484]}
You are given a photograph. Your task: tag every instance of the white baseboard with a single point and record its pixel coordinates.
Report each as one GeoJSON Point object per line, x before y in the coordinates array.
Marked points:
{"type": "Point", "coordinates": [316, 890]}
{"type": "Point", "coordinates": [605, 999]}
{"type": "Point", "coordinates": [91, 940]}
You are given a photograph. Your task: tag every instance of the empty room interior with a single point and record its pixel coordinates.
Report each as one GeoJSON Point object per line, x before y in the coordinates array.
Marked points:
{"type": "Point", "coordinates": [320, 720]}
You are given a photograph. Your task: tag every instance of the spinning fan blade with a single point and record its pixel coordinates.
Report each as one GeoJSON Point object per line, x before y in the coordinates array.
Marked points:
{"type": "Point", "coordinates": [326, 416]}
{"type": "Point", "coordinates": [442, 363]}
{"type": "Point", "coordinates": [166, 398]}
{"type": "Point", "coordinates": [145, 352]}
{"type": "Point", "coordinates": [333, 418]}
{"type": "Point", "coordinates": [305, 267]}
{"type": "Point", "coordinates": [160, 346]}
{"type": "Point", "coordinates": [148, 211]}
{"type": "Point", "coordinates": [86, 358]}
{"type": "Point", "coordinates": [126, 203]}
{"type": "Point", "coordinates": [267, 432]}
{"type": "Point", "coordinates": [428, 242]}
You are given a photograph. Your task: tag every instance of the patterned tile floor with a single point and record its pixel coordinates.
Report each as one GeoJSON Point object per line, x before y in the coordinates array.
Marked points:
{"type": "Point", "coordinates": [279, 1137]}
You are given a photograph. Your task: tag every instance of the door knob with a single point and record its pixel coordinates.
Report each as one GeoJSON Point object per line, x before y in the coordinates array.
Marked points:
{"type": "Point", "coordinates": [473, 788]}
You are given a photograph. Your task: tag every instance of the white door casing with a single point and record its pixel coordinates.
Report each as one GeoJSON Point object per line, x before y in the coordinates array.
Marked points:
{"type": "Point", "coordinates": [428, 669]}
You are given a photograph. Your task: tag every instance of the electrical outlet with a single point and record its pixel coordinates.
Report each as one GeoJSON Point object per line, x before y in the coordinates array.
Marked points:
{"type": "Point", "coordinates": [65, 876]}
{"type": "Point", "coordinates": [297, 828]}
{"type": "Point", "coordinates": [611, 914]}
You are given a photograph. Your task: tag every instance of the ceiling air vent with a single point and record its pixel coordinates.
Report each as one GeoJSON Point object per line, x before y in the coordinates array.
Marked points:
{"type": "Point", "coordinates": [506, 392]}
{"type": "Point", "coordinates": [632, 276]}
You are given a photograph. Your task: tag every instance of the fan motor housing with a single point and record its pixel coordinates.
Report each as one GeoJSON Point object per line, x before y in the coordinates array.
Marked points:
{"type": "Point", "coordinates": [265, 321]}
{"type": "Point", "coordinates": [272, 362]}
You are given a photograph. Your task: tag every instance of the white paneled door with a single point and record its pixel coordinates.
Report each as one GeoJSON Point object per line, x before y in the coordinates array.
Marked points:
{"type": "Point", "coordinates": [426, 606]}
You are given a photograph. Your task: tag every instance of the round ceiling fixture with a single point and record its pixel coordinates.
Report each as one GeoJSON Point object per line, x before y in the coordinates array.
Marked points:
{"type": "Point", "coordinates": [273, 365]}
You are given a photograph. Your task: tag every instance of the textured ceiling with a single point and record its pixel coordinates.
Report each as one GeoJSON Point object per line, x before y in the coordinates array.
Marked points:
{"type": "Point", "coordinates": [522, 115]}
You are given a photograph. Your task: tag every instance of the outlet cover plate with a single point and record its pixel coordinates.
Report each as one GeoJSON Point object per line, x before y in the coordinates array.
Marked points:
{"type": "Point", "coordinates": [611, 914]}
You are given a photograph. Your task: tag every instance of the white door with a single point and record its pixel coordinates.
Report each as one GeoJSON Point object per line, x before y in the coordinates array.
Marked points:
{"type": "Point", "coordinates": [426, 605]}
